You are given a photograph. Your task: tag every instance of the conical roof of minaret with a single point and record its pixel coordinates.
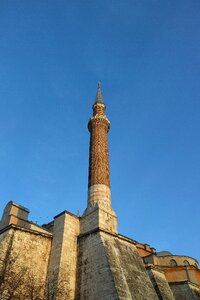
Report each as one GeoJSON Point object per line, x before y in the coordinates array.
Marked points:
{"type": "Point", "coordinates": [99, 97]}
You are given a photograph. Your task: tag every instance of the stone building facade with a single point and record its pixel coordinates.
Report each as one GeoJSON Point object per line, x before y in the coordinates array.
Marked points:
{"type": "Point", "coordinates": [85, 258]}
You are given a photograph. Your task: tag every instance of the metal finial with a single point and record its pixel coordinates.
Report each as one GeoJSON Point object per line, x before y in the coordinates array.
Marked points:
{"type": "Point", "coordinates": [99, 84]}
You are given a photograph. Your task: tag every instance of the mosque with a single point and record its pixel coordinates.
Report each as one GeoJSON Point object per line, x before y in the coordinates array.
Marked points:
{"type": "Point", "coordinates": [84, 257]}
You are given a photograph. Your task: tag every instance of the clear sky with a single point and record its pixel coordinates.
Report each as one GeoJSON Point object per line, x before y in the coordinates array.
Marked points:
{"type": "Point", "coordinates": [147, 55]}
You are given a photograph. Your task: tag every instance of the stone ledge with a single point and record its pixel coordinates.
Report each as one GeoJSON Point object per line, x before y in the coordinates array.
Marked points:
{"type": "Point", "coordinates": [98, 229]}
{"type": "Point", "coordinates": [66, 212]}
{"type": "Point", "coordinates": [16, 227]}
{"type": "Point", "coordinates": [19, 206]}
{"type": "Point", "coordinates": [153, 267]}
{"type": "Point", "coordinates": [178, 267]}
{"type": "Point", "coordinates": [121, 237]}
{"type": "Point", "coordinates": [93, 209]}
{"type": "Point", "coordinates": [184, 282]}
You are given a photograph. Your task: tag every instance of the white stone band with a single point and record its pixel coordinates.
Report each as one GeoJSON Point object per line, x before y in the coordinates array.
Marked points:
{"type": "Point", "coordinates": [99, 194]}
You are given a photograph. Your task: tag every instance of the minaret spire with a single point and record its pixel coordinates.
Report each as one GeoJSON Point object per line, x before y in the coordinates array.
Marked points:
{"type": "Point", "coordinates": [99, 97]}
{"type": "Point", "coordinates": [99, 196]}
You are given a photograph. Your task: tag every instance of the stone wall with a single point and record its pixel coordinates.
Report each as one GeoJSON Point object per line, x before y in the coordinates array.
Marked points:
{"type": "Point", "coordinates": [26, 254]}
{"type": "Point", "coordinates": [177, 260]}
{"type": "Point", "coordinates": [99, 218]}
{"type": "Point", "coordinates": [185, 291]}
{"type": "Point", "coordinates": [13, 214]}
{"type": "Point", "coordinates": [95, 280]}
{"type": "Point", "coordinates": [111, 268]}
{"type": "Point", "coordinates": [5, 242]}
{"type": "Point", "coordinates": [129, 274]}
{"type": "Point", "coordinates": [63, 261]}
{"type": "Point", "coordinates": [160, 283]}
{"type": "Point", "coordinates": [176, 274]}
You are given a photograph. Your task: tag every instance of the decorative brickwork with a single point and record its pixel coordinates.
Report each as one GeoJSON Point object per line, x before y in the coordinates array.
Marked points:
{"type": "Point", "coordinates": [99, 172]}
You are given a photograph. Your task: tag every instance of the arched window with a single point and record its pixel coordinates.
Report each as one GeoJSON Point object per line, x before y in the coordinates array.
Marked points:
{"type": "Point", "coordinates": [186, 263]}
{"type": "Point", "coordinates": [173, 263]}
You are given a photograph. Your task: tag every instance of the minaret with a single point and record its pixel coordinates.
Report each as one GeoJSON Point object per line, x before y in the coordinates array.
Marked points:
{"type": "Point", "coordinates": [99, 196]}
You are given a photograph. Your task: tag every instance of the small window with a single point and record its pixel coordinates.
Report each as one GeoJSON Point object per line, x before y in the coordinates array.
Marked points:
{"type": "Point", "coordinates": [186, 263]}
{"type": "Point", "coordinates": [173, 263]}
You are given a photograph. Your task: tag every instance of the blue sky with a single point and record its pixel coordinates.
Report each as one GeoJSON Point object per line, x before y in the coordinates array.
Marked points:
{"type": "Point", "coordinates": [147, 55]}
